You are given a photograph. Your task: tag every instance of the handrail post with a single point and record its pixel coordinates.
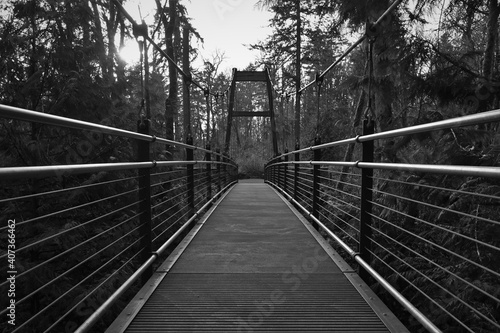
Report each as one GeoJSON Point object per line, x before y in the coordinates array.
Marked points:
{"type": "Point", "coordinates": [236, 172]}
{"type": "Point", "coordinates": [208, 158]}
{"type": "Point", "coordinates": [276, 173]}
{"type": "Point", "coordinates": [219, 185]}
{"type": "Point", "coordinates": [296, 173]}
{"type": "Point", "coordinates": [267, 169]}
{"type": "Point", "coordinates": [271, 171]}
{"type": "Point", "coordinates": [316, 170]}
{"type": "Point", "coordinates": [190, 173]}
{"type": "Point", "coordinates": [278, 170]}
{"type": "Point", "coordinates": [285, 170]}
{"type": "Point", "coordinates": [224, 167]}
{"type": "Point", "coordinates": [271, 174]}
{"type": "Point", "coordinates": [143, 155]}
{"type": "Point", "coordinates": [365, 232]}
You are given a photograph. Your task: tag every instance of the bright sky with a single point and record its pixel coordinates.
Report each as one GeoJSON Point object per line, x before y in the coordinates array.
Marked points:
{"type": "Point", "coordinates": [225, 25]}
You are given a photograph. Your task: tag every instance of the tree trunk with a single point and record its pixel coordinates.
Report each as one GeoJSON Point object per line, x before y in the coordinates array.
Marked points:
{"type": "Point", "coordinates": [120, 68]}
{"type": "Point", "coordinates": [172, 101]}
{"type": "Point", "coordinates": [111, 27]}
{"type": "Point", "coordinates": [467, 34]}
{"type": "Point", "coordinates": [492, 27]}
{"type": "Point", "coordinates": [209, 109]}
{"type": "Point", "coordinates": [101, 51]}
{"type": "Point", "coordinates": [187, 83]}
{"type": "Point", "coordinates": [177, 46]}
{"type": "Point", "coordinates": [489, 53]}
{"type": "Point", "coordinates": [297, 73]}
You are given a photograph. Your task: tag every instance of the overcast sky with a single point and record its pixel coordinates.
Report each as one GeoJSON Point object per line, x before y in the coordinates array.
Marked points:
{"type": "Point", "coordinates": [225, 25]}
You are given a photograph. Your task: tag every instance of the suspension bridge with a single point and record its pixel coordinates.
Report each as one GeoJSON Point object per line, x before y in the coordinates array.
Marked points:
{"type": "Point", "coordinates": [314, 246]}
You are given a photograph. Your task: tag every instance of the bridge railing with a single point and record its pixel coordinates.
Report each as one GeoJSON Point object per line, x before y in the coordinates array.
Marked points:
{"type": "Point", "coordinates": [426, 232]}
{"type": "Point", "coordinates": [76, 236]}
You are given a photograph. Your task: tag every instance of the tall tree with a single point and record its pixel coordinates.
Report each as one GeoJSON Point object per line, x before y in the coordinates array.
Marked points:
{"type": "Point", "coordinates": [298, 81]}
{"type": "Point", "coordinates": [210, 73]}
{"type": "Point", "coordinates": [171, 104]}
{"type": "Point", "coordinates": [290, 48]}
{"type": "Point", "coordinates": [491, 42]}
{"type": "Point", "coordinates": [186, 67]}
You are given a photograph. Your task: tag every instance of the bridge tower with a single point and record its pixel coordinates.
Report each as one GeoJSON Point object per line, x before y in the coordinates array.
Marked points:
{"type": "Point", "coordinates": [251, 76]}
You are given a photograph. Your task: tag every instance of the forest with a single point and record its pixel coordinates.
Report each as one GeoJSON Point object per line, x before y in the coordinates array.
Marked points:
{"type": "Point", "coordinates": [428, 60]}
{"type": "Point", "coordinates": [433, 60]}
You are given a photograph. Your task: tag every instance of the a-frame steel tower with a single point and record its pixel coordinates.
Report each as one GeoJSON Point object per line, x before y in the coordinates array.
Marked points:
{"type": "Point", "coordinates": [251, 76]}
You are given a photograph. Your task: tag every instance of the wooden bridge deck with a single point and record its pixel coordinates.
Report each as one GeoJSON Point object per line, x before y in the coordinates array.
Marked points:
{"type": "Point", "coordinates": [255, 265]}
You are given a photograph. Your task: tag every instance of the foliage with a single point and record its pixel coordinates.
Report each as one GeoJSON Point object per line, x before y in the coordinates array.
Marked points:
{"type": "Point", "coordinates": [431, 60]}
{"type": "Point", "coordinates": [79, 236]}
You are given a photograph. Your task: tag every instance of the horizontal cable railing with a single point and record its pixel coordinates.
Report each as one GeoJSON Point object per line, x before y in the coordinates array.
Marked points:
{"type": "Point", "coordinates": [81, 235]}
{"type": "Point", "coordinates": [425, 231]}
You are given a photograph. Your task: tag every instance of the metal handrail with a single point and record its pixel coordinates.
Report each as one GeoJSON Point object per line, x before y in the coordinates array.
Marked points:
{"type": "Point", "coordinates": [189, 194]}
{"type": "Point", "coordinates": [12, 112]}
{"type": "Point", "coordinates": [469, 120]}
{"type": "Point", "coordinates": [75, 169]}
{"type": "Point", "coordinates": [96, 315]}
{"type": "Point", "coordinates": [355, 255]}
{"type": "Point", "coordinates": [299, 179]}
{"type": "Point", "coordinates": [461, 170]}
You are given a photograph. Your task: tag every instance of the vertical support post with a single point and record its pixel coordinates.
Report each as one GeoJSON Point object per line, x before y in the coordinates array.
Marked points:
{"type": "Point", "coordinates": [143, 155]}
{"type": "Point", "coordinates": [296, 173]}
{"type": "Point", "coordinates": [271, 111]}
{"type": "Point", "coordinates": [232, 90]}
{"type": "Point", "coordinates": [190, 173]}
{"type": "Point", "coordinates": [279, 172]}
{"type": "Point", "coordinates": [236, 170]}
{"type": "Point", "coordinates": [275, 167]}
{"type": "Point", "coordinates": [285, 177]}
{"type": "Point", "coordinates": [224, 169]}
{"type": "Point", "coordinates": [365, 231]}
{"type": "Point", "coordinates": [208, 158]}
{"type": "Point", "coordinates": [270, 172]}
{"type": "Point", "coordinates": [316, 181]}
{"type": "Point", "coordinates": [219, 185]}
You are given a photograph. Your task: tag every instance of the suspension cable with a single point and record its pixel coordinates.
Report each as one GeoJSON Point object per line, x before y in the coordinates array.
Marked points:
{"type": "Point", "coordinates": [156, 46]}
{"type": "Point", "coordinates": [373, 26]}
